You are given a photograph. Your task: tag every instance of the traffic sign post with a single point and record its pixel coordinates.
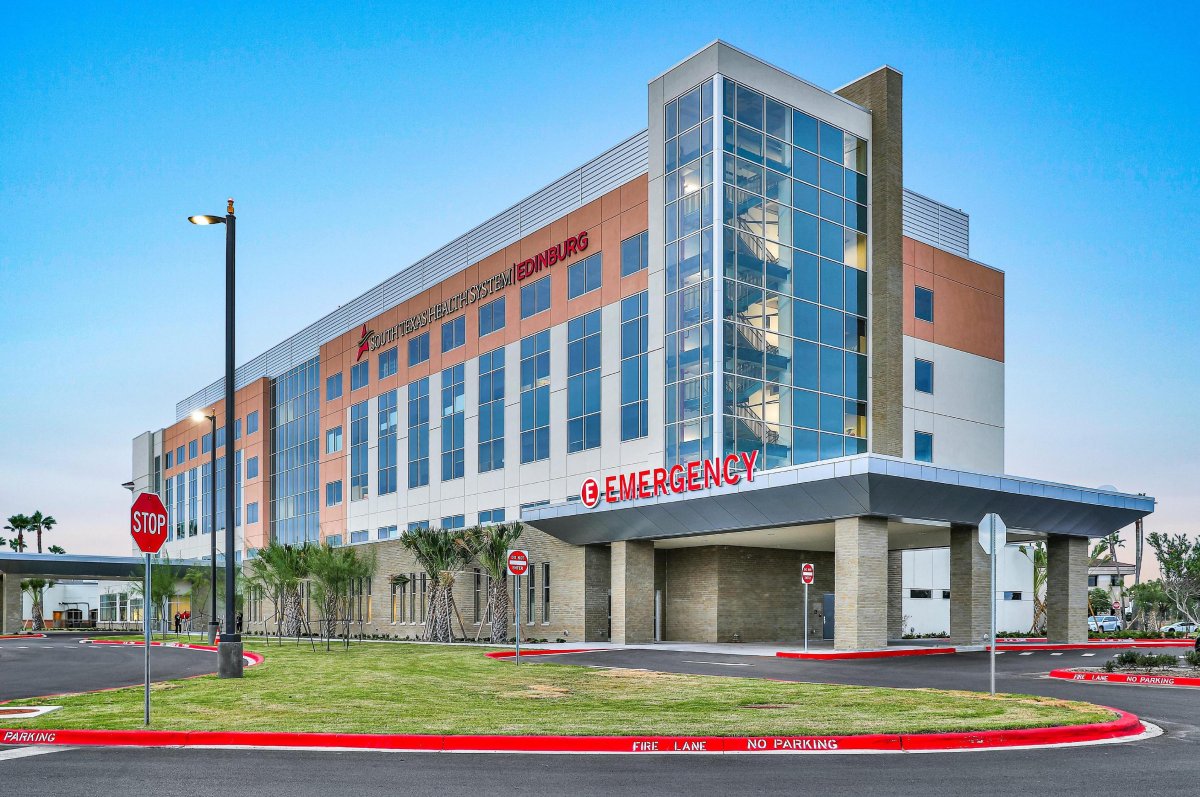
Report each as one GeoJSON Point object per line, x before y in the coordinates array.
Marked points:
{"type": "Point", "coordinates": [518, 565]}
{"type": "Point", "coordinates": [807, 574]}
{"type": "Point", "coordinates": [992, 535]}
{"type": "Point", "coordinates": [148, 527]}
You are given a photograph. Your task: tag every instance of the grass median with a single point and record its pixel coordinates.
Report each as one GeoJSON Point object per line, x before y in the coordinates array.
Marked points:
{"type": "Point", "coordinates": [439, 689]}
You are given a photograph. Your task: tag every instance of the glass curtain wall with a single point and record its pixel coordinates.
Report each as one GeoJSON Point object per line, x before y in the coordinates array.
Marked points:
{"type": "Point", "coordinates": [295, 407]}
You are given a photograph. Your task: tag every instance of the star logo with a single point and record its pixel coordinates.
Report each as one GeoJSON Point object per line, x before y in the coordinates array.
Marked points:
{"type": "Point", "coordinates": [364, 341]}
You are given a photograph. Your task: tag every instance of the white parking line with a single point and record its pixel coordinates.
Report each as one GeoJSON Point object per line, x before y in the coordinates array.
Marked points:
{"type": "Point", "coordinates": [1085, 655]}
{"type": "Point", "coordinates": [722, 663]}
{"type": "Point", "coordinates": [1056, 654]}
{"type": "Point", "coordinates": [1027, 653]}
{"type": "Point", "coordinates": [25, 752]}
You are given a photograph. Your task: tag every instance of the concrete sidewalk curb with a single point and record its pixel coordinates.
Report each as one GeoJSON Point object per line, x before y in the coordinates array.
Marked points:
{"type": "Point", "coordinates": [250, 657]}
{"type": "Point", "coordinates": [1127, 678]}
{"type": "Point", "coordinates": [864, 654]}
{"type": "Point", "coordinates": [1125, 725]}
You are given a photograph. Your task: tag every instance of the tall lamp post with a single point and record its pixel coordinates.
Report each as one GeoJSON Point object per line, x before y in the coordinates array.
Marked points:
{"type": "Point", "coordinates": [214, 624]}
{"type": "Point", "coordinates": [229, 652]}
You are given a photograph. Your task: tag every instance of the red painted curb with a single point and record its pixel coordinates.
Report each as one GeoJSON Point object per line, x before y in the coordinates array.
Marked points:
{"type": "Point", "coordinates": [23, 636]}
{"type": "Point", "coordinates": [254, 658]}
{"type": "Point", "coordinates": [1125, 724]}
{"type": "Point", "coordinates": [509, 654]}
{"type": "Point", "coordinates": [1126, 678]}
{"type": "Point", "coordinates": [866, 654]}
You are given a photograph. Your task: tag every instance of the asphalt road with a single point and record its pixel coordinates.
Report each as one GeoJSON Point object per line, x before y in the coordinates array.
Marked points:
{"type": "Point", "coordinates": [60, 663]}
{"type": "Point", "coordinates": [1165, 765]}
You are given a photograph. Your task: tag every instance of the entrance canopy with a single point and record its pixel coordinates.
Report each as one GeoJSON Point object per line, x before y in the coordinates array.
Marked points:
{"type": "Point", "coordinates": [863, 485]}
{"type": "Point", "coordinates": [56, 566]}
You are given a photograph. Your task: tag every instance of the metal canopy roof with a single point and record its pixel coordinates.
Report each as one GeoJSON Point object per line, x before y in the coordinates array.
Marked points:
{"type": "Point", "coordinates": [80, 566]}
{"type": "Point", "coordinates": [867, 484]}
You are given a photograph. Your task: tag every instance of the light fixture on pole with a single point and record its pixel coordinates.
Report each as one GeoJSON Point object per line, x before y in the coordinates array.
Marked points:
{"type": "Point", "coordinates": [214, 625]}
{"type": "Point", "coordinates": [229, 652]}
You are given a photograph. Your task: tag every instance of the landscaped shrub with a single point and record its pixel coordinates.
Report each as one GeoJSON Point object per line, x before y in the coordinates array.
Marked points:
{"type": "Point", "coordinates": [1193, 658]}
{"type": "Point", "coordinates": [1133, 660]}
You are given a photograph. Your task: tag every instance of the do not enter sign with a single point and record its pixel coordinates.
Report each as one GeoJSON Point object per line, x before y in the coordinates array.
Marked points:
{"type": "Point", "coordinates": [148, 523]}
{"type": "Point", "coordinates": [807, 573]}
{"type": "Point", "coordinates": [518, 563]}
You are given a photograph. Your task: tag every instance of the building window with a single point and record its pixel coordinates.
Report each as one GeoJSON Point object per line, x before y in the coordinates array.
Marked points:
{"type": "Point", "coordinates": [418, 433]}
{"type": "Point", "coordinates": [387, 363]}
{"type": "Point", "coordinates": [333, 493]}
{"type": "Point", "coordinates": [418, 524]}
{"type": "Point", "coordinates": [453, 422]}
{"type": "Point", "coordinates": [294, 428]}
{"type": "Point", "coordinates": [387, 451]}
{"type": "Point", "coordinates": [454, 522]}
{"type": "Point", "coordinates": [923, 374]}
{"type": "Point", "coordinates": [206, 481]}
{"type": "Point", "coordinates": [945, 594]}
{"type": "Point", "coordinates": [359, 536]}
{"type": "Point", "coordinates": [476, 595]}
{"type": "Point", "coordinates": [635, 254]}
{"type": "Point", "coordinates": [167, 461]}
{"type": "Point", "coordinates": [491, 317]}
{"type": "Point", "coordinates": [252, 512]}
{"type": "Point", "coordinates": [454, 333]}
{"type": "Point", "coordinates": [397, 586]}
{"type": "Point", "coordinates": [635, 387]}
{"type": "Point", "coordinates": [487, 516]}
{"type": "Point", "coordinates": [206, 443]}
{"type": "Point", "coordinates": [923, 446]}
{"type": "Point", "coordinates": [545, 592]}
{"type": "Point", "coordinates": [220, 436]}
{"type": "Point", "coordinates": [178, 519]}
{"type": "Point", "coordinates": [237, 429]}
{"type": "Point", "coordinates": [491, 411]}
{"type": "Point", "coordinates": [531, 594]}
{"type": "Point", "coordinates": [923, 304]}
{"type": "Point", "coordinates": [921, 594]}
{"type": "Point", "coordinates": [418, 349]}
{"type": "Point", "coordinates": [333, 440]}
{"type": "Point", "coordinates": [252, 468]}
{"type": "Point", "coordinates": [386, 533]}
{"type": "Point", "coordinates": [359, 376]}
{"type": "Point", "coordinates": [1092, 580]}
{"type": "Point", "coordinates": [424, 591]}
{"type": "Point", "coordinates": [583, 382]}
{"type": "Point", "coordinates": [334, 540]}
{"type": "Point", "coordinates": [532, 505]}
{"type": "Point", "coordinates": [179, 457]}
{"type": "Point", "coordinates": [535, 297]}
{"type": "Point", "coordinates": [333, 386]}
{"type": "Point", "coordinates": [1012, 596]}
{"type": "Point", "coordinates": [252, 423]}
{"type": "Point", "coordinates": [358, 451]}
{"type": "Point", "coordinates": [584, 276]}
{"type": "Point", "coordinates": [535, 397]}
{"type": "Point", "coordinates": [192, 499]}
{"type": "Point", "coordinates": [412, 597]}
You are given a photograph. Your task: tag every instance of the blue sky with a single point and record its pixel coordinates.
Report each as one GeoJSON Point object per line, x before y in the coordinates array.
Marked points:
{"type": "Point", "coordinates": [358, 139]}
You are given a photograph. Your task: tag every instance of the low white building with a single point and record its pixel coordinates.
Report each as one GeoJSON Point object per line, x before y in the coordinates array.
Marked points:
{"type": "Point", "coordinates": [926, 579]}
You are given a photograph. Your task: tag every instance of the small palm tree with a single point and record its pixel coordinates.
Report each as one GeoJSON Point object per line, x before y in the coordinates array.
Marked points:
{"type": "Point", "coordinates": [442, 555]}
{"type": "Point", "coordinates": [56, 549]}
{"type": "Point", "coordinates": [278, 570]}
{"type": "Point", "coordinates": [489, 545]}
{"type": "Point", "coordinates": [18, 525]}
{"type": "Point", "coordinates": [1036, 553]}
{"type": "Point", "coordinates": [199, 581]}
{"type": "Point", "coordinates": [1109, 543]}
{"type": "Point", "coordinates": [334, 572]}
{"type": "Point", "coordinates": [162, 587]}
{"type": "Point", "coordinates": [36, 588]}
{"type": "Point", "coordinates": [39, 524]}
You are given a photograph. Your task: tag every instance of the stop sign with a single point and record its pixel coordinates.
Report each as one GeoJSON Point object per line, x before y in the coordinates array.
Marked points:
{"type": "Point", "coordinates": [807, 573]}
{"type": "Point", "coordinates": [148, 523]}
{"type": "Point", "coordinates": [518, 563]}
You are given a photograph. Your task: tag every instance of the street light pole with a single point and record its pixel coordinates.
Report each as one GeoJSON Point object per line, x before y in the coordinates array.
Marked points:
{"type": "Point", "coordinates": [213, 624]}
{"type": "Point", "coordinates": [229, 652]}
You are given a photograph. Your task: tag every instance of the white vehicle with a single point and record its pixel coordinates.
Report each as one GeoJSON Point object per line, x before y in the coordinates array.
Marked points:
{"type": "Point", "coordinates": [1104, 622]}
{"type": "Point", "coordinates": [1181, 627]}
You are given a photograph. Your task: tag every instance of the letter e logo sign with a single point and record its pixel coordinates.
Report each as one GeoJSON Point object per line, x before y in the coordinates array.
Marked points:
{"type": "Point", "coordinates": [590, 493]}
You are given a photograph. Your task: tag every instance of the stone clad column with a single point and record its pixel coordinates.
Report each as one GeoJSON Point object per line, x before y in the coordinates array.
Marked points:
{"type": "Point", "coordinates": [970, 582]}
{"type": "Point", "coordinates": [895, 595]}
{"type": "Point", "coordinates": [632, 592]}
{"type": "Point", "coordinates": [10, 604]}
{"type": "Point", "coordinates": [1066, 589]}
{"type": "Point", "coordinates": [860, 559]}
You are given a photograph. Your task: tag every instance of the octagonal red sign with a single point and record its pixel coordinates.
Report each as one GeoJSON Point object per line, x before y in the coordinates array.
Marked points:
{"type": "Point", "coordinates": [148, 523]}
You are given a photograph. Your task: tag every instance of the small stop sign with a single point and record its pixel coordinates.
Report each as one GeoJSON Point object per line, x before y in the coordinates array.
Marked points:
{"type": "Point", "coordinates": [807, 573]}
{"type": "Point", "coordinates": [148, 523]}
{"type": "Point", "coordinates": [518, 563]}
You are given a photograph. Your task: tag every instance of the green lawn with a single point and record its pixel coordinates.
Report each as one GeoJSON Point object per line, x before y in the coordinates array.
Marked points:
{"type": "Point", "coordinates": [410, 688]}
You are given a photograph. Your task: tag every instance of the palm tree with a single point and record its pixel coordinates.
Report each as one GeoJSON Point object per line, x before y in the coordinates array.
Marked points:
{"type": "Point", "coordinates": [335, 571]}
{"type": "Point", "coordinates": [442, 555]}
{"type": "Point", "coordinates": [39, 523]}
{"type": "Point", "coordinates": [489, 545]}
{"type": "Point", "coordinates": [199, 581]}
{"type": "Point", "coordinates": [1036, 553]}
{"type": "Point", "coordinates": [18, 524]}
{"type": "Point", "coordinates": [1109, 543]}
{"type": "Point", "coordinates": [58, 549]}
{"type": "Point", "coordinates": [162, 587]}
{"type": "Point", "coordinates": [36, 587]}
{"type": "Point", "coordinates": [278, 570]}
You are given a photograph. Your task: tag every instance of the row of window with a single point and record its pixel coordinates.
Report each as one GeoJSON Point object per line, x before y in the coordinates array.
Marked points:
{"type": "Point", "coordinates": [927, 594]}
{"type": "Point", "coordinates": [193, 449]}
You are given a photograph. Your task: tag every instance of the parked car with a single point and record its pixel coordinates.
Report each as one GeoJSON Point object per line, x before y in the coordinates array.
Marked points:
{"type": "Point", "coordinates": [1181, 627]}
{"type": "Point", "coordinates": [1104, 622]}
